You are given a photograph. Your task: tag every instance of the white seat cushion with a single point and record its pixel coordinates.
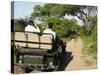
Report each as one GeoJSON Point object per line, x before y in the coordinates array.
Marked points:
{"type": "Point", "coordinates": [45, 39]}
{"type": "Point", "coordinates": [32, 37]}
{"type": "Point", "coordinates": [20, 36]}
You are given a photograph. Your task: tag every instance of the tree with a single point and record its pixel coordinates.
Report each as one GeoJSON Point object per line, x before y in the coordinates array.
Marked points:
{"type": "Point", "coordinates": [83, 13]}
{"type": "Point", "coordinates": [36, 12]}
{"type": "Point", "coordinates": [63, 27]}
{"type": "Point", "coordinates": [50, 10]}
{"type": "Point", "coordinates": [19, 24]}
{"type": "Point", "coordinates": [60, 10]}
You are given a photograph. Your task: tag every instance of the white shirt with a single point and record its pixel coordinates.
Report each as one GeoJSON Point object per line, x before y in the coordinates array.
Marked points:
{"type": "Point", "coordinates": [30, 28]}
{"type": "Point", "coordinates": [50, 32]}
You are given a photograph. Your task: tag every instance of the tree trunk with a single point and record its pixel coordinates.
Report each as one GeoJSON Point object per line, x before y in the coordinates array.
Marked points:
{"type": "Point", "coordinates": [87, 26]}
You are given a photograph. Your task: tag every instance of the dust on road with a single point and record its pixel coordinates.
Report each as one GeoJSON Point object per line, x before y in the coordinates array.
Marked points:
{"type": "Point", "coordinates": [76, 46]}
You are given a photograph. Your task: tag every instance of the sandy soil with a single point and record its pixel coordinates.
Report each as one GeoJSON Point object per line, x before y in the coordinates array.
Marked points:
{"type": "Point", "coordinates": [80, 61]}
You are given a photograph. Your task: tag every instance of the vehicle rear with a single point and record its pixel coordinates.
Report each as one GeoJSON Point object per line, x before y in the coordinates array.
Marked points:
{"type": "Point", "coordinates": [35, 51]}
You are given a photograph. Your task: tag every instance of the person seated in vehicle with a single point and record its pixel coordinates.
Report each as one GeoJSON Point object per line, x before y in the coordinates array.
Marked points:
{"type": "Point", "coordinates": [50, 31]}
{"type": "Point", "coordinates": [55, 37]}
{"type": "Point", "coordinates": [32, 27]}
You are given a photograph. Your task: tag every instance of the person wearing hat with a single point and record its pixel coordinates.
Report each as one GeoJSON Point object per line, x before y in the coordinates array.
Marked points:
{"type": "Point", "coordinates": [32, 27]}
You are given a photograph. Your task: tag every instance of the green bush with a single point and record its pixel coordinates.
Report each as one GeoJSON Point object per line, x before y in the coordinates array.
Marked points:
{"type": "Point", "coordinates": [63, 27]}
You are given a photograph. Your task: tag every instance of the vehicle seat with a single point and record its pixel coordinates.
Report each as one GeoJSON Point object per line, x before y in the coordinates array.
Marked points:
{"type": "Point", "coordinates": [20, 36]}
{"type": "Point", "coordinates": [33, 37]}
{"type": "Point", "coordinates": [46, 42]}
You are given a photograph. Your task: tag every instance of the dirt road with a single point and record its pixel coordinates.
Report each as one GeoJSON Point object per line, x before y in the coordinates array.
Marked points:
{"type": "Point", "coordinates": [80, 60]}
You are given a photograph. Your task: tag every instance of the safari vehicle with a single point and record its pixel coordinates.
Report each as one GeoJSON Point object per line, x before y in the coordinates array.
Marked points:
{"type": "Point", "coordinates": [36, 50]}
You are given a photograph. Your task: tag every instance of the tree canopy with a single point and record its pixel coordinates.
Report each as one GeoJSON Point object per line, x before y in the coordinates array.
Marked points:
{"type": "Point", "coordinates": [60, 10]}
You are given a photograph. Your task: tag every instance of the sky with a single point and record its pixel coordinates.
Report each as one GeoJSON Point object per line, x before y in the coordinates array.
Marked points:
{"type": "Point", "coordinates": [22, 9]}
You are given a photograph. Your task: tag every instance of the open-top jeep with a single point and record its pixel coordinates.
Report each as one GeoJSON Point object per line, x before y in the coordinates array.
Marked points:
{"type": "Point", "coordinates": [36, 50]}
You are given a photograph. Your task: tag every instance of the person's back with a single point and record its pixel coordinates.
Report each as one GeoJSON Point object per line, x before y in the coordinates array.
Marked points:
{"type": "Point", "coordinates": [57, 40]}
{"type": "Point", "coordinates": [31, 27]}
{"type": "Point", "coordinates": [50, 31]}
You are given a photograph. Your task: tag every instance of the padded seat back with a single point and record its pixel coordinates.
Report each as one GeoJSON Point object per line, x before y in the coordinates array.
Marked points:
{"type": "Point", "coordinates": [33, 37]}
{"type": "Point", "coordinates": [46, 42]}
{"type": "Point", "coordinates": [20, 36]}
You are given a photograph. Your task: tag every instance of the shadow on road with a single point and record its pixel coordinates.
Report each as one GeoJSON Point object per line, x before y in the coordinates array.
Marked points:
{"type": "Point", "coordinates": [65, 59]}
